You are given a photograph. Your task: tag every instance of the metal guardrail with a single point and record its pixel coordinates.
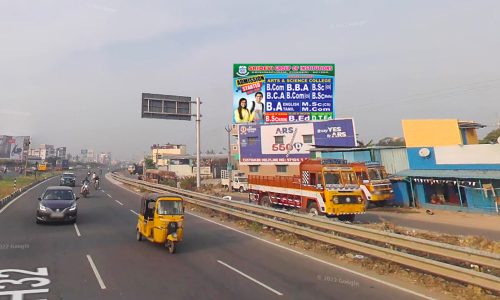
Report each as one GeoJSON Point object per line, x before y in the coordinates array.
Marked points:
{"type": "Point", "coordinates": [298, 224]}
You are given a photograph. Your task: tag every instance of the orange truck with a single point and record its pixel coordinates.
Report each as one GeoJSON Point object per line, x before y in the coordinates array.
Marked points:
{"type": "Point", "coordinates": [323, 187]}
{"type": "Point", "coordinates": [374, 183]}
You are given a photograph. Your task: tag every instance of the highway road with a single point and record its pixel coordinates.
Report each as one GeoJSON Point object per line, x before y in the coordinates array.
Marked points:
{"type": "Point", "coordinates": [99, 258]}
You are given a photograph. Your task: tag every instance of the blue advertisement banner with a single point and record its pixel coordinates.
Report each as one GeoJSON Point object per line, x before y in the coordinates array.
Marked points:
{"type": "Point", "coordinates": [290, 143]}
{"type": "Point", "coordinates": [271, 93]}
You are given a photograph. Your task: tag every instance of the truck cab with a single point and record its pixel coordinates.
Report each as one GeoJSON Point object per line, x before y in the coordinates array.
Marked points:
{"type": "Point", "coordinates": [374, 182]}
{"type": "Point", "coordinates": [239, 181]}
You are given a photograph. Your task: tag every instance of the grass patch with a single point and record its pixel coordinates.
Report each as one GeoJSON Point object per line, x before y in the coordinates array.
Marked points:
{"type": "Point", "coordinates": [7, 184]}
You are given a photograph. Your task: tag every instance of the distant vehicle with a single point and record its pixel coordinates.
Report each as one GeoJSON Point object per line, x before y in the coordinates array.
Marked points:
{"type": "Point", "coordinates": [42, 167]}
{"type": "Point", "coordinates": [57, 204]}
{"type": "Point", "coordinates": [135, 169]}
{"type": "Point", "coordinates": [374, 183]}
{"type": "Point", "coordinates": [239, 180]}
{"type": "Point", "coordinates": [68, 179]}
{"type": "Point", "coordinates": [65, 164]}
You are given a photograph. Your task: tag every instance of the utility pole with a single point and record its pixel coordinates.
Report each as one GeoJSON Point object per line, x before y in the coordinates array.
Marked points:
{"type": "Point", "coordinates": [228, 130]}
{"type": "Point", "coordinates": [198, 164]}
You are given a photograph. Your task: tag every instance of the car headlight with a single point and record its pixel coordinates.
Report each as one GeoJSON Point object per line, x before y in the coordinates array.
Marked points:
{"type": "Point", "coordinates": [73, 207]}
{"type": "Point", "coordinates": [335, 200]}
{"type": "Point", "coordinates": [42, 208]}
{"type": "Point", "coordinates": [360, 199]}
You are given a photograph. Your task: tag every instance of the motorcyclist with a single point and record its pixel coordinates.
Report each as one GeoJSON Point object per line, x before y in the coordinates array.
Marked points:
{"type": "Point", "coordinates": [93, 176]}
{"type": "Point", "coordinates": [85, 183]}
{"type": "Point", "coordinates": [96, 181]}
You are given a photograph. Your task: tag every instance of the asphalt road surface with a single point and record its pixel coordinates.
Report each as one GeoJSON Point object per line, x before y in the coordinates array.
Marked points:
{"type": "Point", "coordinates": [99, 258]}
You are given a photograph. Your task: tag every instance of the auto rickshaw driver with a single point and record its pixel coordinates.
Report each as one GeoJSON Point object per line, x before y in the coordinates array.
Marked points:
{"type": "Point", "coordinates": [161, 220]}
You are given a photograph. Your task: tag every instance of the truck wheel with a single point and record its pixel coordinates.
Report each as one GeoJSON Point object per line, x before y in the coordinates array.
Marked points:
{"type": "Point", "coordinates": [242, 190]}
{"type": "Point", "coordinates": [138, 235]}
{"type": "Point", "coordinates": [312, 209]}
{"type": "Point", "coordinates": [265, 201]}
{"type": "Point", "coordinates": [347, 218]}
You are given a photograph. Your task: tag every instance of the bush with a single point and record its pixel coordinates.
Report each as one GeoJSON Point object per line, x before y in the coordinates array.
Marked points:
{"type": "Point", "coordinates": [188, 183]}
{"type": "Point", "coordinates": [170, 182]}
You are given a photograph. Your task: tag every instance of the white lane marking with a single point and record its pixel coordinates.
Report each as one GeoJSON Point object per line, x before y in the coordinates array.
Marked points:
{"type": "Point", "coordinates": [108, 195]}
{"type": "Point", "coordinates": [14, 200]}
{"type": "Point", "coordinates": [306, 255]}
{"type": "Point", "coordinates": [252, 279]}
{"type": "Point", "coordinates": [94, 268]}
{"type": "Point", "coordinates": [319, 260]}
{"type": "Point", "coordinates": [119, 202]}
{"type": "Point", "coordinates": [134, 212]}
{"type": "Point", "coordinates": [77, 231]}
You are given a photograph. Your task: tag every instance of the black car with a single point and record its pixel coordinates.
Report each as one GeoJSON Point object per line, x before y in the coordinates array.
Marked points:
{"type": "Point", "coordinates": [68, 179]}
{"type": "Point", "coordinates": [57, 204]}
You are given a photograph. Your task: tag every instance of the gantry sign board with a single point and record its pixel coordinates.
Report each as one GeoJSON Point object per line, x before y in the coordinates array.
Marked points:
{"type": "Point", "coordinates": [169, 107]}
{"type": "Point", "coordinates": [13, 147]}
{"type": "Point", "coordinates": [269, 144]}
{"type": "Point", "coordinates": [284, 92]}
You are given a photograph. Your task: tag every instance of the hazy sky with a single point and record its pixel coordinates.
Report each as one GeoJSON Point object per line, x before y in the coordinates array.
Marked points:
{"type": "Point", "coordinates": [72, 72]}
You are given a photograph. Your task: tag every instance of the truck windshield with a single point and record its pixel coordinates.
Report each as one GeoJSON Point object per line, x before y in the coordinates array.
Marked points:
{"type": "Point", "coordinates": [332, 178]}
{"type": "Point", "coordinates": [376, 174]}
{"type": "Point", "coordinates": [170, 208]}
{"type": "Point", "coordinates": [242, 179]}
{"type": "Point", "coordinates": [349, 178]}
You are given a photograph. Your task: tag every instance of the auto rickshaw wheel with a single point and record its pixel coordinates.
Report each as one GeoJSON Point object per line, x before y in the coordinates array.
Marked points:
{"type": "Point", "coordinates": [138, 235]}
{"type": "Point", "coordinates": [170, 245]}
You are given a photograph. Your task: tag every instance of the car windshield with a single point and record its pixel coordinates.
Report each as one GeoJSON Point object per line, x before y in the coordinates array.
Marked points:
{"type": "Point", "coordinates": [68, 176]}
{"type": "Point", "coordinates": [170, 207]}
{"type": "Point", "coordinates": [58, 195]}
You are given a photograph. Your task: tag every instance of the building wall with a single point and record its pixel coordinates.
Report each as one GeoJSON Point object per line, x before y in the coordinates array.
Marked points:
{"type": "Point", "coordinates": [428, 133]}
{"type": "Point", "coordinates": [394, 160]}
{"type": "Point", "coordinates": [266, 170]}
{"type": "Point", "coordinates": [475, 200]}
{"type": "Point", "coordinates": [468, 157]}
{"type": "Point", "coordinates": [471, 136]}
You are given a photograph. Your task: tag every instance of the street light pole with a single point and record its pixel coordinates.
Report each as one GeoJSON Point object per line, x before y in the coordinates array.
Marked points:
{"type": "Point", "coordinates": [228, 130]}
{"type": "Point", "coordinates": [198, 164]}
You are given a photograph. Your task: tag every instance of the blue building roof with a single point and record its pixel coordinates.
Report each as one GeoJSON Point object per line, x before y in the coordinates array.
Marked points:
{"type": "Point", "coordinates": [464, 174]}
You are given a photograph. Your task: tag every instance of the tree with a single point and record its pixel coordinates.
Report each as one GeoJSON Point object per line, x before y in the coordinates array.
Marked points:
{"type": "Point", "coordinates": [491, 137]}
{"type": "Point", "coordinates": [389, 141]}
{"type": "Point", "coordinates": [149, 163]}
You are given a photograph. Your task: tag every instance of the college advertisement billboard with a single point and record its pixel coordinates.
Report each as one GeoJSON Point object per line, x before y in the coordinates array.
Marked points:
{"type": "Point", "coordinates": [290, 143]}
{"type": "Point", "coordinates": [13, 147]}
{"type": "Point", "coordinates": [272, 93]}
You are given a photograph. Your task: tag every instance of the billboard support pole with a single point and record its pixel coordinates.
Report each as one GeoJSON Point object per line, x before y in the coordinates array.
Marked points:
{"type": "Point", "coordinates": [26, 162]}
{"type": "Point", "coordinates": [198, 121]}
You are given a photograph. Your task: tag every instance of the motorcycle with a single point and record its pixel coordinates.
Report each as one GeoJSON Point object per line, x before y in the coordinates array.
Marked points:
{"type": "Point", "coordinates": [85, 190]}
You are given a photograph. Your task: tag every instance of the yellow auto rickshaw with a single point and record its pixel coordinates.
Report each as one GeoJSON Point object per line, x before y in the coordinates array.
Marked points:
{"type": "Point", "coordinates": [161, 219]}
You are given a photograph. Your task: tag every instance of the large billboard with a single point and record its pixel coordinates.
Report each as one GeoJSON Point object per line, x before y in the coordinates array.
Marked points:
{"type": "Point", "coordinates": [290, 143]}
{"type": "Point", "coordinates": [13, 147]}
{"type": "Point", "coordinates": [271, 93]}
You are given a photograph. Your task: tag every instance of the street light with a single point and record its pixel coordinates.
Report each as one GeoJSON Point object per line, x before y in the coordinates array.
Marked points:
{"type": "Point", "coordinates": [228, 130]}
